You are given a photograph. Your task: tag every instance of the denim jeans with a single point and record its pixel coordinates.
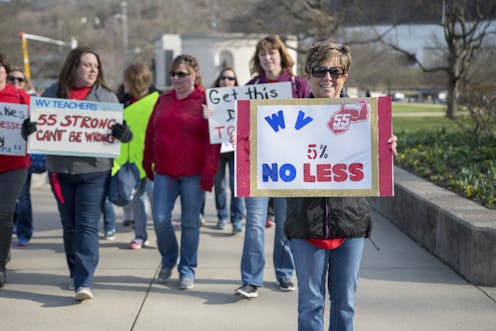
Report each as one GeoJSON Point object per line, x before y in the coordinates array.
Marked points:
{"type": "Point", "coordinates": [282, 256]}
{"type": "Point", "coordinates": [23, 215]}
{"type": "Point", "coordinates": [253, 258]}
{"type": "Point", "coordinates": [166, 190]}
{"type": "Point", "coordinates": [79, 199]}
{"type": "Point", "coordinates": [108, 216]}
{"type": "Point", "coordinates": [341, 267]}
{"type": "Point", "coordinates": [236, 207]}
{"type": "Point", "coordinates": [139, 209]}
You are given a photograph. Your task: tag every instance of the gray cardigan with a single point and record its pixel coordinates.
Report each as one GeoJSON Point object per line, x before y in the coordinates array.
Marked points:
{"type": "Point", "coordinates": [78, 164]}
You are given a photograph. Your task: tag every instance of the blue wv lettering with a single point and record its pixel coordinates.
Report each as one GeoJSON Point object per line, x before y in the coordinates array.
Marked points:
{"type": "Point", "coordinates": [301, 121]}
{"type": "Point", "coordinates": [42, 103]}
{"type": "Point", "coordinates": [276, 121]}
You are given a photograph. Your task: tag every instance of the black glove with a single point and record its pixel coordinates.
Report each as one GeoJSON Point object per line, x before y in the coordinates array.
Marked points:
{"type": "Point", "coordinates": [122, 132]}
{"type": "Point", "coordinates": [27, 128]}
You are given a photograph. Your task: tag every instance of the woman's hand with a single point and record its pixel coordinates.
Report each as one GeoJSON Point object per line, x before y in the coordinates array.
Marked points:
{"type": "Point", "coordinates": [206, 112]}
{"type": "Point", "coordinates": [393, 141]}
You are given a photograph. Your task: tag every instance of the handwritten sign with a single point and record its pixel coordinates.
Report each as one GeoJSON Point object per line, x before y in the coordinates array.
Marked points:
{"type": "Point", "coordinates": [11, 117]}
{"type": "Point", "coordinates": [314, 147]}
{"type": "Point", "coordinates": [74, 127]}
{"type": "Point", "coordinates": [222, 101]}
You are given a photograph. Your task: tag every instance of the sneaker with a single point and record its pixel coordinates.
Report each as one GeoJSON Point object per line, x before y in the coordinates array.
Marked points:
{"type": "Point", "coordinates": [109, 235]}
{"type": "Point", "coordinates": [269, 222]}
{"type": "Point", "coordinates": [164, 274]}
{"type": "Point", "coordinates": [247, 291]}
{"type": "Point", "coordinates": [203, 222]}
{"type": "Point", "coordinates": [286, 285]}
{"type": "Point", "coordinates": [128, 222]}
{"type": "Point", "coordinates": [186, 283]}
{"type": "Point", "coordinates": [22, 242]}
{"type": "Point", "coordinates": [221, 224]}
{"type": "Point", "coordinates": [137, 243]}
{"type": "Point", "coordinates": [237, 228]}
{"type": "Point", "coordinates": [70, 285]}
{"type": "Point", "coordinates": [83, 293]}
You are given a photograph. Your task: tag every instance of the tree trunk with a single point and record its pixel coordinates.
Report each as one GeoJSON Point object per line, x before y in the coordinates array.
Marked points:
{"type": "Point", "coordinates": [452, 98]}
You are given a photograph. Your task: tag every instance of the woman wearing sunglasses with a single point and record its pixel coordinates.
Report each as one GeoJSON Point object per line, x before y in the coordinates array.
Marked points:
{"type": "Point", "coordinates": [13, 171]}
{"type": "Point", "coordinates": [315, 254]}
{"type": "Point", "coordinates": [270, 63]}
{"type": "Point", "coordinates": [226, 78]}
{"type": "Point", "coordinates": [23, 216]}
{"type": "Point", "coordinates": [180, 160]}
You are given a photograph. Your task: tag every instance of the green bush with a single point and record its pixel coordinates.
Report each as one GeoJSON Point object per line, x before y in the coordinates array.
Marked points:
{"type": "Point", "coordinates": [462, 162]}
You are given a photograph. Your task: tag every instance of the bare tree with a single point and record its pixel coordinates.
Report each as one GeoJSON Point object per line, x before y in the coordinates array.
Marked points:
{"type": "Point", "coordinates": [465, 30]}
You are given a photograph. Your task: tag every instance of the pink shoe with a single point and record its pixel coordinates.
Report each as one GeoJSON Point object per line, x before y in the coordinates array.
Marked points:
{"type": "Point", "coordinates": [137, 243]}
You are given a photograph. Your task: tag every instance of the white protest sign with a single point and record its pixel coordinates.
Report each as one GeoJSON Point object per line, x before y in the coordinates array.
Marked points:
{"type": "Point", "coordinates": [74, 127]}
{"type": "Point", "coordinates": [11, 117]}
{"type": "Point", "coordinates": [222, 101]}
{"type": "Point", "coordinates": [314, 147]}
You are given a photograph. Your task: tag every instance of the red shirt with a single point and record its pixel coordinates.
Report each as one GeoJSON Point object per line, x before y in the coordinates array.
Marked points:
{"type": "Point", "coordinates": [327, 244]}
{"type": "Point", "coordinates": [79, 93]}
{"type": "Point", "coordinates": [11, 94]}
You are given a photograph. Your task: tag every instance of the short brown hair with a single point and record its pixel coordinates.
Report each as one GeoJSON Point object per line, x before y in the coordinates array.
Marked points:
{"type": "Point", "coordinates": [191, 62]}
{"type": "Point", "coordinates": [138, 78]}
{"type": "Point", "coordinates": [322, 51]}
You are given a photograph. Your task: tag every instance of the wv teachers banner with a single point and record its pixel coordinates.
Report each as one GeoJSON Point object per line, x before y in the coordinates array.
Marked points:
{"type": "Point", "coordinates": [314, 147]}
{"type": "Point", "coordinates": [74, 127]}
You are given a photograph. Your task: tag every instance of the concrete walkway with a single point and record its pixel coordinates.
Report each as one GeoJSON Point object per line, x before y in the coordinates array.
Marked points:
{"type": "Point", "coordinates": [401, 287]}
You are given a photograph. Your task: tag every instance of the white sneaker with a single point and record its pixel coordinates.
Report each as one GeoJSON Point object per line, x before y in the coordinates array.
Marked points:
{"type": "Point", "coordinates": [83, 293]}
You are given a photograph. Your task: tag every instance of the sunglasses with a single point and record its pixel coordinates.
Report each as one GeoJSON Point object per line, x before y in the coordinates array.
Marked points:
{"type": "Point", "coordinates": [227, 77]}
{"type": "Point", "coordinates": [179, 74]}
{"type": "Point", "coordinates": [12, 79]}
{"type": "Point", "coordinates": [320, 71]}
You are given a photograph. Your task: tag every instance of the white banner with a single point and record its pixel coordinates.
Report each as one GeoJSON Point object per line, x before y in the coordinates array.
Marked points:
{"type": "Point", "coordinates": [74, 127]}
{"type": "Point", "coordinates": [222, 101]}
{"type": "Point", "coordinates": [11, 117]}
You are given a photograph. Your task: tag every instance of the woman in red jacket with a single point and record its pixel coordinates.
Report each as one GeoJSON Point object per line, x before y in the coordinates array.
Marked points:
{"type": "Point", "coordinates": [13, 172]}
{"type": "Point", "coordinates": [179, 158]}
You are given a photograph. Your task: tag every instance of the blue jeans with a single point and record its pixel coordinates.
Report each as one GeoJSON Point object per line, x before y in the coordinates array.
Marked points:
{"type": "Point", "coordinates": [236, 207]}
{"type": "Point", "coordinates": [166, 190]}
{"type": "Point", "coordinates": [253, 258]}
{"type": "Point", "coordinates": [139, 208]}
{"type": "Point", "coordinates": [108, 216]}
{"type": "Point", "coordinates": [79, 199]}
{"type": "Point", "coordinates": [23, 215]}
{"type": "Point", "coordinates": [339, 269]}
{"type": "Point", "coordinates": [282, 256]}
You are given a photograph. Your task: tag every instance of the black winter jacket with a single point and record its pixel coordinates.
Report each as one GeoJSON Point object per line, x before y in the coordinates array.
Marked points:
{"type": "Point", "coordinates": [325, 218]}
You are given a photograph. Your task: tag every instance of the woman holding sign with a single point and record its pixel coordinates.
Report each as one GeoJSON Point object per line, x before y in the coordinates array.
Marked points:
{"type": "Point", "coordinates": [179, 158]}
{"type": "Point", "coordinates": [271, 63]}
{"type": "Point", "coordinates": [13, 168]}
{"type": "Point", "coordinates": [79, 183]}
{"type": "Point", "coordinates": [327, 234]}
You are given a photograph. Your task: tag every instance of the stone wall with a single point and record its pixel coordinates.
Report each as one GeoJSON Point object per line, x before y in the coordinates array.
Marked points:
{"type": "Point", "coordinates": [458, 231]}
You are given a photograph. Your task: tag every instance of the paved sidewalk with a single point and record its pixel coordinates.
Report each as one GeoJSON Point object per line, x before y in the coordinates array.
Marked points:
{"type": "Point", "coordinates": [401, 287]}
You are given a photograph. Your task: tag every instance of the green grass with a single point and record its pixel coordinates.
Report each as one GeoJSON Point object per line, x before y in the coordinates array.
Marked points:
{"type": "Point", "coordinates": [402, 107]}
{"type": "Point", "coordinates": [408, 116]}
{"type": "Point", "coordinates": [430, 123]}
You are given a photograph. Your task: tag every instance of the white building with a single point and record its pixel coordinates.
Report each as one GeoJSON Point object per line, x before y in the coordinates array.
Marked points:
{"type": "Point", "coordinates": [214, 51]}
